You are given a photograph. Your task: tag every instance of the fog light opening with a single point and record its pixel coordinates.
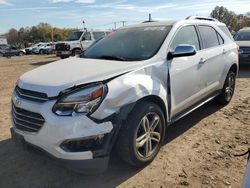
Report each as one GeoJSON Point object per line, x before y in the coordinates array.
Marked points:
{"type": "Point", "coordinates": [84, 144]}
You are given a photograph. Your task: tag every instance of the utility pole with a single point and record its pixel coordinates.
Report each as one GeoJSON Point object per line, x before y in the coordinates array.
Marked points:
{"type": "Point", "coordinates": [52, 35]}
{"type": "Point", "coordinates": [149, 17]}
{"type": "Point", "coordinates": [123, 23]}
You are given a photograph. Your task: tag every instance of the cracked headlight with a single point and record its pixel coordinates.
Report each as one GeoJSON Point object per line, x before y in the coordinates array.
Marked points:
{"type": "Point", "coordinates": [80, 101]}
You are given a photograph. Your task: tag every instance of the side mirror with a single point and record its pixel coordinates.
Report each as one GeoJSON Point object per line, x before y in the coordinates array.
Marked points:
{"type": "Point", "coordinates": [83, 38]}
{"type": "Point", "coordinates": [182, 50]}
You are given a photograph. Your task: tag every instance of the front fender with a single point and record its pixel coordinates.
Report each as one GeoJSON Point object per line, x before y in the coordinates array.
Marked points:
{"type": "Point", "coordinates": [131, 87]}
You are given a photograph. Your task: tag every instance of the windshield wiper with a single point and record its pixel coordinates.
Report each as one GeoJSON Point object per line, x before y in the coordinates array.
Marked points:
{"type": "Point", "coordinates": [109, 57]}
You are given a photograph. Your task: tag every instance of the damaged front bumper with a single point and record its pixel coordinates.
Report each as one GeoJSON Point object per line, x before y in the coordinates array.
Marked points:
{"type": "Point", "coordinates": [77, 142]}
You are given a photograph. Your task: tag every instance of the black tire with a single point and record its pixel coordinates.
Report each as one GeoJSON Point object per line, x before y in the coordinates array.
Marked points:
{"type": "Point", "coordinates": [40, 51]}
{"type": "Point", "coordinates": [228, 89]}
{"type": "Point", "coordinates": [132, 130]}
{"type": "Point", "coordinates": [76, 52]}
{"type": "Point", "coordinates": [21, 53]}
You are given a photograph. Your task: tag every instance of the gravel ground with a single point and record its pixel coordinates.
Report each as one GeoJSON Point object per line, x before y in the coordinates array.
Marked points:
{"type": "Point", "coordinates": [199, 149]}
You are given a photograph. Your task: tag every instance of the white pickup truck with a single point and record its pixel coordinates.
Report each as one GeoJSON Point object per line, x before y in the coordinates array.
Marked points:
{"type": "Point", "coordinates": [77, 42]}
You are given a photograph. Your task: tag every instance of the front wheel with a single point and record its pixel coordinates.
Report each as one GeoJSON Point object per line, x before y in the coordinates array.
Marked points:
{"type": "Point", "coordinates": [142, 134]}
{"type": "Point", "coordinates": [228, 89]}
{"type": "Point", "coordinates": [76, 52]}
{"type": "Point", "coordinates": [21, 53]}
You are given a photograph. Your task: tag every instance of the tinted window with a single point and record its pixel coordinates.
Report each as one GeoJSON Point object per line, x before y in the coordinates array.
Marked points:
{"type": "Point", "coordinates": [129, 44]}
{"type": "Point", "coordinates": [226, 31]}
{"type": "Point", "coordinates": [87, 36]}
{"type": "Point", "coordinates": [209, 36]}
{"type": "Point", "coordinates": [186, 35]}
{"type": "Point", "coordinates": [98, 35]}
{"type": "Point", "coordinates": [242, 36]}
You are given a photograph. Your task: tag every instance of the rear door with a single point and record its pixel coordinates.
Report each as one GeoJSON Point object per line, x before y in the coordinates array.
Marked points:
{"type": "Point", "coordinates": [187, 74]}
{"type": "Point", "coordinates": [216, 51]}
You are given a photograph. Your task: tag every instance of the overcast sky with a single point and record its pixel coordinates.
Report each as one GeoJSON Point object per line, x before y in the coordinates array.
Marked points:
{"type": "Point", "coordinates": [101, 14]}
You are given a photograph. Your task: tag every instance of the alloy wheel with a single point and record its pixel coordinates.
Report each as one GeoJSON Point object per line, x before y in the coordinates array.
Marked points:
{"type": "Point", "coordinates": [148, 135]}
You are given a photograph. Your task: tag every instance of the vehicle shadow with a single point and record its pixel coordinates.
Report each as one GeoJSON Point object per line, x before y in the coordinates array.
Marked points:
{"type": "Point", "coordinates": [244, 71]}
{"type": "Point", "coordinates": [187, 122]}
{"type": "Point", "coordinates": [19, 168]}
{"type": "Point", "coordinates": [42, 63]}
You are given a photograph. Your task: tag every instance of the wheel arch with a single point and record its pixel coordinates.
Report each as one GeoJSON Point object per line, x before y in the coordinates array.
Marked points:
{"type": "Point", "coordinates": [158, 101]}
{"type": "Point", "coordinates": [234, 68]}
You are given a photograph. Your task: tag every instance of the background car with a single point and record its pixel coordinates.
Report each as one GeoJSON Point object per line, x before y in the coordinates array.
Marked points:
{"type": "Point", "coordinates": [11, 51]}
{"type": "Point", "coordinates": [48, 49]}
{"type": "Point", "coordinates": [242, 38]}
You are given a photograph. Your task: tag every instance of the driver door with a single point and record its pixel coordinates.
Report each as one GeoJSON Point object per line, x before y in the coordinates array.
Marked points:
{"type": "Point", "coordinates": [187, 74]}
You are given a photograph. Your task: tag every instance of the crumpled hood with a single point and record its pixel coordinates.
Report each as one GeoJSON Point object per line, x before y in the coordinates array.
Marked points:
{"type": "Point", "coordinates": [243, 43]}
{"type": "Point", "coordinates": [60, 75]}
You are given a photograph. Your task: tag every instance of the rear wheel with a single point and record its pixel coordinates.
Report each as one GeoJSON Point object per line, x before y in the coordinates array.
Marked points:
{"type": "Point", "coordinates": [141, 136]}
{"type": "Point", "coordinates": [228, 89]}
{"type": "Point", "coordinates": [21, 53]}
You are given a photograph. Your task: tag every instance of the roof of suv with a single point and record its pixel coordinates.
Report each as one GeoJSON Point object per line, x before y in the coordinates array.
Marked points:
{"type": "Point", "coordinates": [173, 22]}
{"type": "Point", "coordinates": [245, 29]}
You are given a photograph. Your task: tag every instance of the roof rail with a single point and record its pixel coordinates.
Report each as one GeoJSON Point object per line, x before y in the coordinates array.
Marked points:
{"type": "Point", "coordinates": [201, 18]}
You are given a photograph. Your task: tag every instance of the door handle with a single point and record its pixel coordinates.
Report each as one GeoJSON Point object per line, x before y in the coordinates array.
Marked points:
{"type": "Point", "coordinates": [224, 51]}
{"type": "Point", "coordinates": [202, 61]}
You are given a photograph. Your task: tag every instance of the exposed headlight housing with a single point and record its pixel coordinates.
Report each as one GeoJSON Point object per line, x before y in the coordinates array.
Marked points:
{"type": "Point", "coordinates": [83, 100]}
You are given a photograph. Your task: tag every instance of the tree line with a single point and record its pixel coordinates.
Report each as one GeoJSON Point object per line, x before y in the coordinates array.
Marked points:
{"type": "Point", "coordinates": [43, 32]}
{"type": "Point", "coordinates": [46, 33]}
{"type": "Point", "coordinates": [233, 21]}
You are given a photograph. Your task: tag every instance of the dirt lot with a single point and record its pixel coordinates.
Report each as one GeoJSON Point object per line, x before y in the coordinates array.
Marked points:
{"type": "Point", "coordinates": [198, 151]}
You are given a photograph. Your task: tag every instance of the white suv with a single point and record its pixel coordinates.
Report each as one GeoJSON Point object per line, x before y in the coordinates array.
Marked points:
{"type": "Point", "coordinates": [124, 91]}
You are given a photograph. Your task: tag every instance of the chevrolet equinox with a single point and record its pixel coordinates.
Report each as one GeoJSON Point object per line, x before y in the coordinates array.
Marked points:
{"type": "Point", "coordinates": [123, 92]}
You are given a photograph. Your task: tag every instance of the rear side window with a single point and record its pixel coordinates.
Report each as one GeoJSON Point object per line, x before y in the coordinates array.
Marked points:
{"type": "Point", "coordinates": [221, 40]}
{"type": "Point", "coordinates": [98, 35]}
{"type": "Point", "coordinates": [186, 35]}
{"type": "Point", "coordinates": [209, 36]}
{"type": "Point", "coordinates": [226, 31]}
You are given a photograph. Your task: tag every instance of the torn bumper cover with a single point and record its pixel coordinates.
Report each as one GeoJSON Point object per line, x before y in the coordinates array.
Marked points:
{"type": "Point", "coordinates": [76, 141]}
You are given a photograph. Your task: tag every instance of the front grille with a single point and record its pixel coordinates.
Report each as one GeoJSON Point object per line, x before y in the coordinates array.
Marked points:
{"type": "Point", "coordinates": [62, 47]}
{"type": "Point", "coordinates": [31, 95]}
{"type": "Point", "coordinates": [245, 50]}
{"type": "Point", "coordinates": [25, 120]}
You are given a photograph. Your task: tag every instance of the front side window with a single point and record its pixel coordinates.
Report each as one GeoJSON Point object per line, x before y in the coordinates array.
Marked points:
{"type": "Point", "coordinates": [129, 44]}
{"type": "Point", "coordinates": [86, 36]}
{"type": "Point", "coordinates": [186, 35]}
{"type": "Point", "coordinates": [209, 36]}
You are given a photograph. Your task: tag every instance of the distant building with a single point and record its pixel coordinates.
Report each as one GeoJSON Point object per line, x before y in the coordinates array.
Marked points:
{"type": "Point", "coordinates": [3, 39]}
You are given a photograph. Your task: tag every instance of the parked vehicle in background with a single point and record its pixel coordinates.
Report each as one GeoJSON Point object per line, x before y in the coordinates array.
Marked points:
{"type": "Point", "coordinates": [77, 42]}
{"type": "Point", "coordinates": [48, 49]}
{"type": "Point", "coordinates": [242, 38]}
{"type": "Point", "coordinates": [3, 40]}
{"type": "Point", "coordinates": [124, 91]}
{"type": "Point", "coordinates": [11, 51]}
{"type": "Point", "coordinates": [39, 48]}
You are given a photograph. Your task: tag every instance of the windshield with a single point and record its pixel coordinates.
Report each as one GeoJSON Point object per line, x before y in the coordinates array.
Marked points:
{"type": "Point", "coordinates": [242, 36]}
{"type": "Point", "coordinates": [129, 44]}
{"type": "Point", "coordinates": [74, 36]}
